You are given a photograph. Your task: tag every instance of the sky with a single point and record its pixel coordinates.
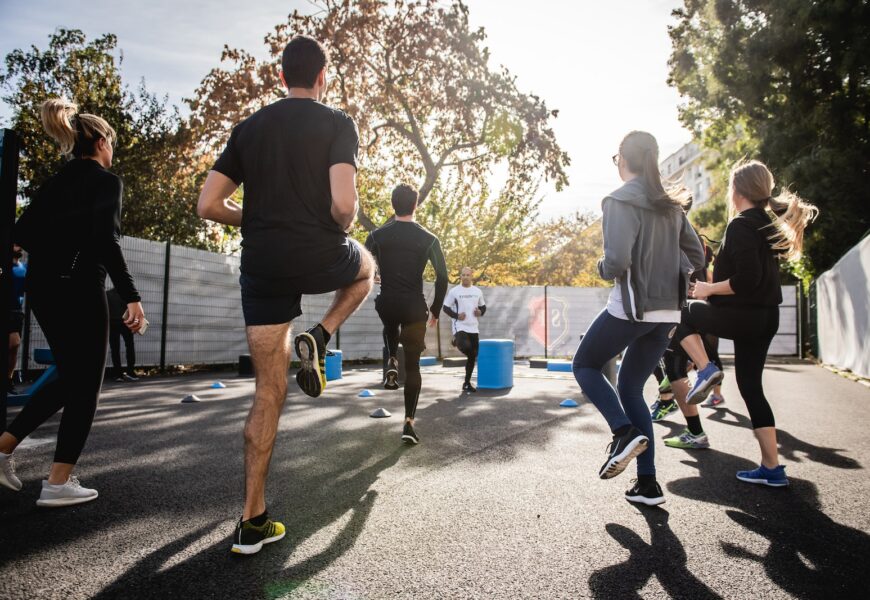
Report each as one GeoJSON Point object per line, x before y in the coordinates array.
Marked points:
{"type": "Point", "coordinates": [602, 64]}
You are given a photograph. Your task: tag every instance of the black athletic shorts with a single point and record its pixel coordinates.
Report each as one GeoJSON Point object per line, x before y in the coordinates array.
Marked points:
{"type": "Point", "coordinates": [267, 301]}
{"type": "Point", "coordinates": [407, 314]}
{"type": "Point", "coordinates": [16, 321]}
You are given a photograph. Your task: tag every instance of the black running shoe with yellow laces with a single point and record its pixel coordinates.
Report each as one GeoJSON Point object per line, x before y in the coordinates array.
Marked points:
{"type": "Point", "coordinates": [249, 538]}
{"type": "Point", "coordinates": [311, 350]}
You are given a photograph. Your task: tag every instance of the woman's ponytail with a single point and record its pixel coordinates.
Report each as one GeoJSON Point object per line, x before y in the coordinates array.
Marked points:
{"type": "Point", "coordinates": [754, 181]}
{"type": "Point", "coordinates": [57, 115]}
{"type": "Point", "coordinates": [76, 134]}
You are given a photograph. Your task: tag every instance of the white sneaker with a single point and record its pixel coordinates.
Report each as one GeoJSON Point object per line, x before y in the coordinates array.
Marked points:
{"type": "Point", "coordinates": [7, 472]}
{"type": "Point", "coordinates": [65, 494]}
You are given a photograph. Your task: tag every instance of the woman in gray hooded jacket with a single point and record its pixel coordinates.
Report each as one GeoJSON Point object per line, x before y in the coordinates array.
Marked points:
{"type": "Point", "coordinates": [649, 251]}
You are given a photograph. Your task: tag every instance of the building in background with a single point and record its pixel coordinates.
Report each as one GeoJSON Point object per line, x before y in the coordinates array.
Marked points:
{"type": "Point", "coordinates": [686, 166]}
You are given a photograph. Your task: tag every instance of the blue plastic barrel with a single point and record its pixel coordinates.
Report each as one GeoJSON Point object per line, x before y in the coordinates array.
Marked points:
{"type": "Point", "coordinates": [495, 364]}
{"type": "Point", "coordinates": [333, 365]}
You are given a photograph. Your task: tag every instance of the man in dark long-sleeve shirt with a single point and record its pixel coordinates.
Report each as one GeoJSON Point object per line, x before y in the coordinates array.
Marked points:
{"type": "Point", "coordinates": [402, 248]}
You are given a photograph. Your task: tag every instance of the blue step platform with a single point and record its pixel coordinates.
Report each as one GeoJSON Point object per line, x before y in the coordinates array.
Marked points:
{"type": "Point", "coordinates": [42, 356]}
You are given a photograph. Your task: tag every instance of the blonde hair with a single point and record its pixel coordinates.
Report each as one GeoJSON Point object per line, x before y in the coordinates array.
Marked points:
{"type": "Point", "coordinates": [76, 134]}
{"type": "Point", "coordinates": [754, 181]}
{"type": "Point", "coordinates": [640, 151]}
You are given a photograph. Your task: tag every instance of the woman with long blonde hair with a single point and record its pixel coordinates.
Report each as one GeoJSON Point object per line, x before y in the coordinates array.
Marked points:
{"type": "Point", "coordinates": [71, 232]}
{"type": "Point", "coordinates": [742, 302]}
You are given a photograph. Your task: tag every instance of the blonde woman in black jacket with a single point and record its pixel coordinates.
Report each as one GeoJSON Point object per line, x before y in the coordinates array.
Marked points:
{"type": "Point", "coordinates": [71, 231]}
{"type": "Point", "coordinates": [742, 302]}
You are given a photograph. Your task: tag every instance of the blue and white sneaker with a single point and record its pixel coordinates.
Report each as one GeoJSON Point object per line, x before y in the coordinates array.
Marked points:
{"type": "Point", "coordinates": [708, 378]}
{"type": "Point", "coordinates": [764, 476]}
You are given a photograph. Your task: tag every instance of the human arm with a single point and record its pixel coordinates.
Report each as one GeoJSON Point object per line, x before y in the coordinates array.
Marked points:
{"type": "Point", "coordinates": [691, 244]}
{"type": "Point", "coordinates": [106, 236]}
{"type": "Point", "coordinates": [342, 173]}
{"type": "Point", "coordinates": [481, 307]}
{"type": "Point", "coordinates": [372, 246]}
{"type": "Point", "coordinates": [342, 185]}
{"type": "Point", "coordinates": [619, 225]}
{"type": "Point", "coordinates": [214, 200]}
{"type": "Point", "coordinates": [436, 257]}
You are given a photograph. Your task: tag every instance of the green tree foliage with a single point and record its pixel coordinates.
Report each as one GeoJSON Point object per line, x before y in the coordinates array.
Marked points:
{"type": "Point", "coordinates": [565, 251]}
{"type": "Point", "coordinates": [430, 108]}
{"type": "Point", "coordinates": [161, 180]}
{"type": "Point", "coordinates": [787, 82]}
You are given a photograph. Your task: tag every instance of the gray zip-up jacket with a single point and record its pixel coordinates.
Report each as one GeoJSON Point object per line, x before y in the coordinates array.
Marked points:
{"type": "Point", "coordinates": [650, 250]}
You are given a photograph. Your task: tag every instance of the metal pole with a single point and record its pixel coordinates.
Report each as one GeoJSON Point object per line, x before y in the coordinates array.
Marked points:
{"type": "Point", "coordinates": [338, 339]}
{"type": "Point", "coordinates": [546, 324]}
{"type": "Point", "coordinates": [165, 324]}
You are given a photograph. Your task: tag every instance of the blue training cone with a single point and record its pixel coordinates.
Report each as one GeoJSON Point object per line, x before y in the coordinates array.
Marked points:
{"type": "Point", "coordinates": [217, 385]}
{"type": "Point", "coordinates": [366, 394]}
{"type": "Point", "coordinates": [568, 403]}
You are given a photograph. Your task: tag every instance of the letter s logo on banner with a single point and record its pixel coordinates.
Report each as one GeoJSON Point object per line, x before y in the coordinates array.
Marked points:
{"type": "Point", "coordinates": [555, 331]}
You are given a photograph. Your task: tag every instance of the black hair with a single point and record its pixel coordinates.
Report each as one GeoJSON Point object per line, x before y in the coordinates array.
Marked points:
{"type": "Point", "coordinates": [404, 200]}
{"type": "Point", "coordinates": [302, 61]}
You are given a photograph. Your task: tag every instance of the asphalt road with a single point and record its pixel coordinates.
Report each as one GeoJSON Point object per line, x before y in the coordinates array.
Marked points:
{"type": "Point", "coordinates": [500, 500]}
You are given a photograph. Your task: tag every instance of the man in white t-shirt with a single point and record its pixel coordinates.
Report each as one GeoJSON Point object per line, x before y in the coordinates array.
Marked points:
{"type": "Point", "coordinates": [465, 305]}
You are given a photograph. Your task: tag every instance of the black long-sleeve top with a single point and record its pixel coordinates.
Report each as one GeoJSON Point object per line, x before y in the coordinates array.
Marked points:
{"type": "Point", "coordinates": [73, 229]}
{"type": "Point", "coordinates": [748, 262]}
{"type": "Point", "coordinates": [402, 249]}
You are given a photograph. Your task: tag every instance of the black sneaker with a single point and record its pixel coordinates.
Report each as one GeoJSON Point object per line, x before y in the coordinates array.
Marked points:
{"type": "Point", "coordinates": [409, 436]}
{"type": "Point", "coordinates": [128, 377]}
{"type": "Point", "coordinates": [311, 351]}
{"type": "Point", "coordinates": [249, 539]}
{"type": "Point", "coordinates": [621, 451]}
{"type": "Point", "coordinates": [391, 377]}
{"type": "Point", "coordinates": [467, 387]}
{"type": "Point", "coordinates": [649, 494]}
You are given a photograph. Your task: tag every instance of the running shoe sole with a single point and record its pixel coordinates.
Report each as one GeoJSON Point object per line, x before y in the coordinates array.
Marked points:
{"type": "Point", "coordinates": [409, 439]}
{"type": "Point", "coordinates": [391, 380]}
{"type": "Point", "coordinates": [310, 378]}
{"type": "Point", "coordinates": [644, 500]}
{"type": "Point", "coordinates": [254, 548]}
{"type": "Point", "coordinates": [699, 393]}
{"type": "Point", "coordinates": [618, 463]}
{"type": "Point", "coordinates": [766, 482]}
{"type": "Point", "coordinates": [56, 502]}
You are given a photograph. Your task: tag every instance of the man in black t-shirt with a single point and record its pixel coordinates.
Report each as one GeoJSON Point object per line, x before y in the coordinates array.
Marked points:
{"type": "Point", "coordinates": [296, 160]}
{"type": "Point", "coordinates": [402, 248]}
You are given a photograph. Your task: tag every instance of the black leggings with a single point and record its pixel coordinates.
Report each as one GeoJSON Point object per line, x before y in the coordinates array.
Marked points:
{"type": "Point", "coordinates": [74, 317]}
{"type": "Point", "coordinates": [752, 329]}
{"type": "Point", "coordinates": [117, 331]}
{"type": "Point", "coordinates": [468, 344]}
{"type": "Point", "coordinates": [404, 320]}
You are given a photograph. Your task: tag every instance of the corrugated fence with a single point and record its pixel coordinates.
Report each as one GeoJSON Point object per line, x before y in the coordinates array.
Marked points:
{"type": "Point", "coordinates": [204, 322]}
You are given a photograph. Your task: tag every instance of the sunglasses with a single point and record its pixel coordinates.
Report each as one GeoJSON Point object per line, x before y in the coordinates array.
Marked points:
{"type": "Point", "coordinates": [615, 159]}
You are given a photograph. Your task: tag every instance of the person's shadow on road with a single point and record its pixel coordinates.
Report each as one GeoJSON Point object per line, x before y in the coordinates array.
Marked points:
{"type": "Point", "coordinates": [663, 558]}
{"type": "Point", "coordinates": [809, 555]}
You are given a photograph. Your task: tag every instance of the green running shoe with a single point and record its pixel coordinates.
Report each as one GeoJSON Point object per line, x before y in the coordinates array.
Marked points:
{"type": "Point", "coordinates": [662, 408]}
{"type": "Point", "coordinates": [665, 386]}
{"type": "Point", "coordinates": [688, 440]}
{"type": "Point", "coordinates": [249, 539]}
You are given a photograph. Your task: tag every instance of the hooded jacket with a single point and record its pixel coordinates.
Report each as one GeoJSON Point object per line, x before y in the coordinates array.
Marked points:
{"type": "Point", "coordinates": [650, 250]}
